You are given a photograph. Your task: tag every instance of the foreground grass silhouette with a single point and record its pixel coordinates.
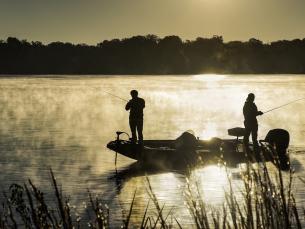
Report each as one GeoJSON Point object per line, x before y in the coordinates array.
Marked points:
{"type": "Point", "coordinates": [267, 202]}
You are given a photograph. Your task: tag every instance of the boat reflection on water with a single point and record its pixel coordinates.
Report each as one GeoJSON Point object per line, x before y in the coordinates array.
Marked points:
{"type": "Point", "coordinates": [139, 169]}
{"type": "Point", "coordinates": [214, 171]}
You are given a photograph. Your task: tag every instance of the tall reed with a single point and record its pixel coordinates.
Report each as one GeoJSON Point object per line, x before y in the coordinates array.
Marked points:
{"type": "Point", "coordinates": [267, 202]}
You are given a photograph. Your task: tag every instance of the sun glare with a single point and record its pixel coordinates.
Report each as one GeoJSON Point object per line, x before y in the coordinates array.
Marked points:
{"type": "Point", "coordinates": [209, 131]}
{"type": "Point", "coordinates": [209, 77]}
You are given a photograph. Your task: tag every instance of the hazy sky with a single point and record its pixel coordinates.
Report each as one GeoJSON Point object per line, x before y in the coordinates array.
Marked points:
{"type": "Point", "coordinates": [91, 21]}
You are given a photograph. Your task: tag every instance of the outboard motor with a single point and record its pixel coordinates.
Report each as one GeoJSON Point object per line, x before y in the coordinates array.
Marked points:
{"type": "Point", "coordinates": [279, 138]}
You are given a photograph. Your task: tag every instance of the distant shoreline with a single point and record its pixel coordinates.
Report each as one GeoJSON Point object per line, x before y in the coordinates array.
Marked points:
{"type": "Point", "coordinates": [151, 55]}
{"type": "Point", "coordinates": [139, 75]}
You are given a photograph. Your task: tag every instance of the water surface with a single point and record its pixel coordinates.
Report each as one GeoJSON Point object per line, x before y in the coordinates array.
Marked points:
{"type": "Point", "coordinates": [65, 123]}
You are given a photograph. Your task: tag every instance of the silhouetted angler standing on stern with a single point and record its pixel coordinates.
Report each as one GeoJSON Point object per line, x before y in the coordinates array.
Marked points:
{"type": "Point", "coordinates": [250, 112]}
{"type": "Point", "coordinates": [136, 106]}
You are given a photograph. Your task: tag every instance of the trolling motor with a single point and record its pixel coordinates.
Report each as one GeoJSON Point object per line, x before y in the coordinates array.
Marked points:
{"type": "Point", "coordinates": [118, 133]}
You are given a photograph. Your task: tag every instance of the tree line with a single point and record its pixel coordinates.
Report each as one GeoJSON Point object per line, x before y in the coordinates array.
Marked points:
{"type": "Point", "coordinates": [153, 55]}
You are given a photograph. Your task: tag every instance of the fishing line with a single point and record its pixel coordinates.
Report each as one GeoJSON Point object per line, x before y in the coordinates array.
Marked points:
{"type": "Point", "coordinates": [115, 96]}
{"type": "Point", "coordinates": [286, 104]}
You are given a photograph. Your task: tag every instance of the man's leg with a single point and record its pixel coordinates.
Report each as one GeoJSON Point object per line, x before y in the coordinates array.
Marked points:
{"type": "Point", "coordinates": [246, 138]}
{"type": "Point", "coordinates": [254, 138]}
{"type": "Point", "coordinates": [140, 130]}
{"type": "Point", "coordinates": [132, 124]}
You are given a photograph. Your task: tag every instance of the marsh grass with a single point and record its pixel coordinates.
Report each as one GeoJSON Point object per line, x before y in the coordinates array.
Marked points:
{"type": "Point", "coordinates": [267, 201]}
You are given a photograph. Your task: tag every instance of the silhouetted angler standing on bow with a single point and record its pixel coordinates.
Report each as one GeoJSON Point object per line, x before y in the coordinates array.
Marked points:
{"type": "Point", "coordinates": [136, 106]}
{"type": "Point", "coordinates": [250, 112]}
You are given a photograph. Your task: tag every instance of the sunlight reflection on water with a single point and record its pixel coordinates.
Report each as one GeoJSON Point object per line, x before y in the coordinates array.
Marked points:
{"type": "Point", "coordinates": [65, 123]}
{"type": "Point", "coordinates": [213, 182]}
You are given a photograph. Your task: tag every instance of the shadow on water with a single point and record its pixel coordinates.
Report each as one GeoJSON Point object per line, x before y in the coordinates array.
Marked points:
{"type": "Point", "coordinates": [122, 175]}
{"type": "Point", "coordinates": [138, 169]}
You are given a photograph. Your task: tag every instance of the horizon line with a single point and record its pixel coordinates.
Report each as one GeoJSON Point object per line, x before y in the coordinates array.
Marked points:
{"type": "Point", "coordinates": [123, 38]}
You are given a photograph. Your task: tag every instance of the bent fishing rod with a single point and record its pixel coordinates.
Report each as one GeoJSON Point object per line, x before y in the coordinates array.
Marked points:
{"type": "Point", "coordinates": [286, 104]}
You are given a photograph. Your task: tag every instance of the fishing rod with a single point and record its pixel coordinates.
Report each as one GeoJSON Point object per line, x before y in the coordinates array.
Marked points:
{"type": "Point", "coordinates": [115, 96]}
{"type": "Point", "coordinates": [283, 105]}
{"type": "Point", "coordinates": [112, 94]}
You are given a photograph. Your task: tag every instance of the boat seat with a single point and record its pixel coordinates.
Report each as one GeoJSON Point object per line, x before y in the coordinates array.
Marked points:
{"type": "Point", "coordinates": [237, 132]}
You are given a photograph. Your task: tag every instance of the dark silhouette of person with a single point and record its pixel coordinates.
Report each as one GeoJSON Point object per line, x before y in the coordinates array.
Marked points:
{"type": "Point", "coordinates": [251, 126]}
{"type": "Point", "coordinates": [136, 106]}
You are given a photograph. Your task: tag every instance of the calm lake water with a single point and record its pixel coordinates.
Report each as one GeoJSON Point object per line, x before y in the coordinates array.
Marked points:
{"type": "Point", "coordinates": [65, 123]}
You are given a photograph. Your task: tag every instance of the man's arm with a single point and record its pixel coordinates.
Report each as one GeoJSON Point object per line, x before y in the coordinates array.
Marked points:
{"type": "Point", "coordinates": [258, 112]}
{"type": "Point", "coordinates": [143, 103]}
{"type": "Point", "coordinates": [128, 105]}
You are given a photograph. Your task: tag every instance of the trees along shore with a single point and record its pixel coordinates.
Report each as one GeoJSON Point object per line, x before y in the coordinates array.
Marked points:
{"type": "Point", "coordinates": [149, 55]}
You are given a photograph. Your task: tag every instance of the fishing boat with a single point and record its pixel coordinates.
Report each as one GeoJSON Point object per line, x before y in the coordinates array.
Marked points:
{"type": "Point", "coordinates": [187, 149]}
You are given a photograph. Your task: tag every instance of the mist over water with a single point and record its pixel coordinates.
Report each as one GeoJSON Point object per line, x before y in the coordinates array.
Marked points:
{"type": "Point", "coordinates": [65, 123]}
